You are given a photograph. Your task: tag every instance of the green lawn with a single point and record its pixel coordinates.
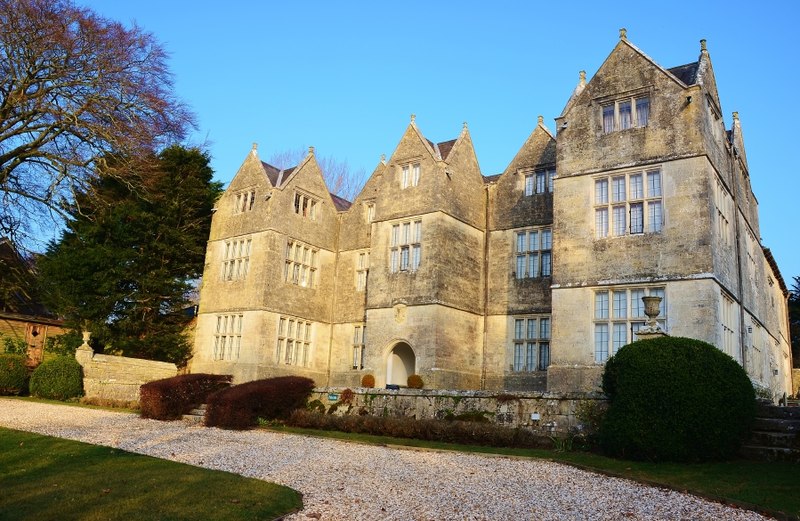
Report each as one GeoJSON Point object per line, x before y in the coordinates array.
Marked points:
{"type": "Point", "coordinates": [44, 478]}
{"type": "Point", "coordinates": [773, 488]}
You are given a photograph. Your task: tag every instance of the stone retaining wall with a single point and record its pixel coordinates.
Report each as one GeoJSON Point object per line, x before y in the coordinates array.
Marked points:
{"type": "Point", "coordinates": [118, 377]}
{"type": "Point", "coordinates": [551, 414]}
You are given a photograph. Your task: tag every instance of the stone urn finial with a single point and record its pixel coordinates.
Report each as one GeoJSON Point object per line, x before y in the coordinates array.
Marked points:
{"type": "Point", "coordinates": [652, 308]}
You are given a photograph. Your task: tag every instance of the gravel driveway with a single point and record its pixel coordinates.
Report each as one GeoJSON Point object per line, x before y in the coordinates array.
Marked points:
{"type": "Point", "coordinates": [344, 481]}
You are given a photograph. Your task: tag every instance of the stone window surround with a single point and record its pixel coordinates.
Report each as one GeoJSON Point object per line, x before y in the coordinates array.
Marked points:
{"type": "Point", "coordinates": [228, 336]}
{"type": "Point", "coordinates": [244, 201]}
{"type": "Point", "coordinates": [540, 253]}
{"type": "Point", "coordinates": [359, 343]}
{"type": "Point", "coordinates": [362, 269]}
{"type": "Point", "coordinates": [607, 316]}
{"type": "Point", "coordinates": [537, 181]}
{"type": "Point", "coordinates": [294, 346]}
{"type": "Point", "coordinates": [530, 348]}
{"type": "Point", "coordinates": [236, 258]}
{"type": "Point", "coordinates": [305, 205]}
{"type": "Point", "coordinates": [647, 205]}
{"type": "Point", "coordinates": [409, 173]}
{"type": "Point", "coordinates": [300, 263]}
{"type": "Point", "coordinates": [614, 102]}
{"type": "Point", "coordinates": [405, 248]}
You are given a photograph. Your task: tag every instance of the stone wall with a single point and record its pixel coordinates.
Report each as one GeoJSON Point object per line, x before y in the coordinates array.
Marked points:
{"type": "Point", "coordinates": [117, 377]}
{"type": "Point", "coordinates": [550, 414]}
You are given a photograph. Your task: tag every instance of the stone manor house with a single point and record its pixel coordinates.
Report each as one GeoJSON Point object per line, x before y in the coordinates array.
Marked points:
{"type": "Point", "coordinates": [526, 280]}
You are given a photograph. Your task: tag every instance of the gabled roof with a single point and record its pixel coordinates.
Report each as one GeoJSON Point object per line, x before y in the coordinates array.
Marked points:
{"type": "Point", "coordinates": [491, 178]}
{"type": "Point", "coordinates": [275, 175]}
{"type": "Point", "coordinates": [686, 73]}
{"type": "Point", "coordinates": [445, 147]}
{"type": "Point", "coordinates": [340, 203]}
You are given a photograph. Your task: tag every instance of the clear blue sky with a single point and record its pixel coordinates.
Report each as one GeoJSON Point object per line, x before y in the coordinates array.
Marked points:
{"type": "Point", "coordinates": [345, 76]}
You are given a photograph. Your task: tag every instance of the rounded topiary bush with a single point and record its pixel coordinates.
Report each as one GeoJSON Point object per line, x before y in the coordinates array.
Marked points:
{"type": "Point", "coordinates": [13, 374]}
{"type": "Point", "coordinates": [368, 380]}
{"type": "Point", "coordinates": [415, 382]}
{"type": "Point", "coordinates": [675, 399]}
{"type": "Point", "coordinates": [59, 378]}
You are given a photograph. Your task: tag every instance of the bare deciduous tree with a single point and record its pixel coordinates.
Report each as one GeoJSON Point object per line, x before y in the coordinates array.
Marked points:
{"type": "Point", "coordinates": [341, 180]}
{"type": "Point", "coordinates": [76, 90]}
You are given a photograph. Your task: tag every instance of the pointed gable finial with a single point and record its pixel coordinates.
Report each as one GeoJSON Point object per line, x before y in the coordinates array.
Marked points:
{"type": "Point", "coordinates": [255, 146]}
{"type": "Point", "coordinates": [464, 127]}
{"type": "Point", "coordinates": [413, 118]}
{"type": "Point", "coordinates": [311, 151]}
{"type": "Point", "coordinates": [736, 116]}
{"type": "Point", "coordinates": [540, 120]}
{"type": "Point", "coordinates": [383, 158]}
{"type": "Point", "coordinates": [582, 78]}
{"type": "Point", "coordinates": [703, 45]}
{"type": "Point", "coordinates": [623, 34]}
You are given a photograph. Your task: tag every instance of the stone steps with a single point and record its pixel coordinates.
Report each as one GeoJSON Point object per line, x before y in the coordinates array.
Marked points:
{"type": "Point", "coordinates": [775, 435]}
{"type": "Point", "coordinates": [196, 415]}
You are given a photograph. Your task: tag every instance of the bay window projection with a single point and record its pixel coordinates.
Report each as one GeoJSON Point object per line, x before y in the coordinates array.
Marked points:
{"type": "Point", "coordinates": [405, 251]}
{"type": "Point", "coordinates": [626, 113]}
{"type": "Point", "coordinates": [228, 337]}
{"type": "Point", "coordinates": [618, 315]}
{"type": "Point", "coordinates": [294, 342]}
{"type": "Point", "coordinates": [236, 259]}
{"type": "Point", "coordinates": [628, 204]}
{"type": "Point", "coordinates": [301, 264]}
{"type": "Point", "coordinates": [359, 341]}
{"type": "Point", "coordinates": [531, 344]}
{"type": "Point", "coordinates": [533, 253]}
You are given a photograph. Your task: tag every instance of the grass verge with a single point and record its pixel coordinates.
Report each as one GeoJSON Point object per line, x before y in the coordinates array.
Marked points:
{"type": "Point", "coordinates": [769, 487]}
{"type": "Point", "coordinates": [46, 478]}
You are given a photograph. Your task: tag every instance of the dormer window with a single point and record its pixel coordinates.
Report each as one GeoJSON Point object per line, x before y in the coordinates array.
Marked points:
{"type": "Point", "coordinates": [626, 113]}
{"type": "Point", "coordinates": [305, 206]}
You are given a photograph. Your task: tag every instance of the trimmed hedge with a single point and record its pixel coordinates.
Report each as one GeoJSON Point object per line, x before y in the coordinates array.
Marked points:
{"type": "Point", "coordinates": [675, 399]}
{"type": "Point", "coordinates": [414, 381]}
{"type": "Point", "coordinates": [171, 398]}
{"type": "Point", "coordinates": [59, 378]}
{"type": "Point", "coordinates": [463, 432]}
{"type": "Point", "coordinates": [13, 374]}
{"type": "Point", "coordinates": [240, 406]}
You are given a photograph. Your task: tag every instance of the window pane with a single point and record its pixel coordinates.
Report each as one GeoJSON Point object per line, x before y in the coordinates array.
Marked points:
{"type": "Point", "coordinates": [547, 240]}
{"type": "Point", "coordinates": [544, 328]}
{"type": "Point", "coordinates": [550, 178]}
{"type": "Point", "coordinates": [519, 328]}
{"type": "Point", "coordinates": [637, 305]}
{"type": "Point", "coordinates": [620, 336]}
{"type": "Point", "coordinates": [533, 264]}
{"type": "Point", "coordinates": [601, 191]}
{"type": "Point", "coordinates": [637, 191]}
{"type": "Point", "coordinates": [533, 241]}
{"type": "Point", "coordinates": [416, 174]}
{"type": "Point", "coordinates": [395, 234]}
{"type": "Point", "coordinates": [406, 238]}
{"type": "Point", "coordinates": [608, 118]}
{"type": "Point", "coordinates": [404, 258]}
{"type": "Point", "coordinates": [529, 184]}
{"type": "Point", "coordinates": [642, 111]}
{"type": "Point", "coordinates": [625, 115]}
{"type": "Point", "coordinates": [601, 222]}
{"type": "Point", "coordinates": [654, 184]}
{"type": "Point", "coordinates": [620, 304]}
{"type": "Point", "coordinates": [418, 231]}
{"type": "Point", "coordinates": [618, 189]}
{"type": "Point", "coordinates": [519, 357]}
{"type": "Point", "coordinates": [404, 181]}
{"type": "Point", "coordinates": [600, 343]}
{"type": "Point", "coordinates": [544, 356]}
{"type": "Point", "coordinates": [637, 219]}
{"type": "Point", "coordinates": [619, 220]}
{"type": "Point", "coordinates": [521, 266]}
{"type": "Point", "coordinates": [531, 328]}
{"type": "Point", "coordinates": [531, 357]}
{"type": "Point", "coordinates": [654, 216]}
{"type": "Point", "coordinates": [394, 261]}
{"type": "Point", "coordinates": [546, 264]}
{"type": "Point", "coordinates": [415, 257]}
{"type": "Point", "coordinates": [540, 180]}
{"type": "Point", "coordinates": [521, 242]}
{"type": "Point", "coordinates": [601, 304]}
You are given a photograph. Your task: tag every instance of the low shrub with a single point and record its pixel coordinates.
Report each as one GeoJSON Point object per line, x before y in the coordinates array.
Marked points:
{"type": "Point", "coordinates": [171, 398]}
{"type": "Point", "coordinates": [415, 382]}
{"type": "Point", "coordinates": [467, 433]}
{"type": "Point", "coordinates": [240, 406]}
{"type": "Point", "coordinates": [13, 374]}
{"type": "Point", "coordinates": [59, 378]}
{"type": "Point", "coordinates": [368, 381]}
{"type": "Point", "coordinates": [675, 399]}
{"type": "Point", "coordinates": [14, 346]}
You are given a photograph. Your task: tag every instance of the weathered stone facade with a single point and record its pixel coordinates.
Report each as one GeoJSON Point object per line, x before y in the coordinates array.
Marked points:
{"type": "Point", "coordinates": [519, 281]}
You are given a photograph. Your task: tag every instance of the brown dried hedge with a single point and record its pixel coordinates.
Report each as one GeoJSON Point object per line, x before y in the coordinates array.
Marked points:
{"type": "Point", "coordinates": [240, 406]}
{"type": "Point", "coordinates": [171, 398]}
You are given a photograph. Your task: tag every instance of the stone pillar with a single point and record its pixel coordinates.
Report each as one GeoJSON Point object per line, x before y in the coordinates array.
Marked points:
{"type": "Point", "coordinates": [84, 353]}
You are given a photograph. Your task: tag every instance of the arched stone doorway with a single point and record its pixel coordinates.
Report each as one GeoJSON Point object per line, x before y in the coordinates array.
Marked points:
{"type": "Point", "coordinates": [400, 364]}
